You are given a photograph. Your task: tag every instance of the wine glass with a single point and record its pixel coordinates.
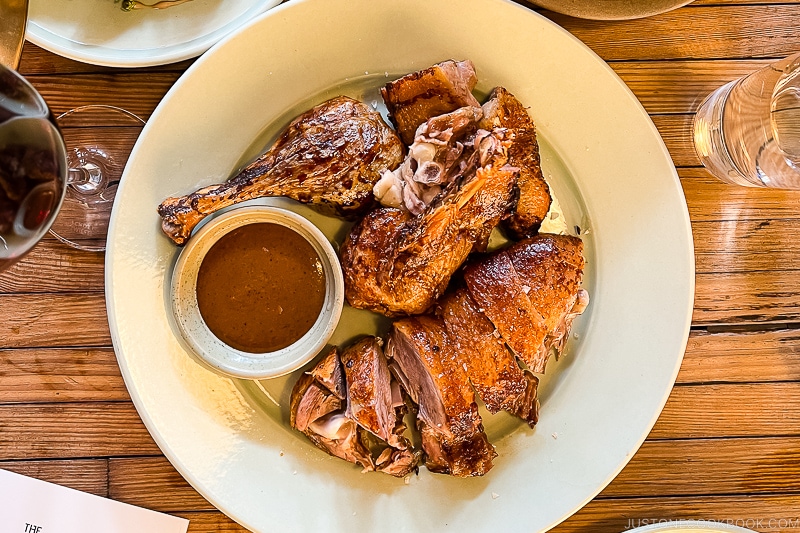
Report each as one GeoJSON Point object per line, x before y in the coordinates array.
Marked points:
{"type": "Point", "coordinates": [40, 176]}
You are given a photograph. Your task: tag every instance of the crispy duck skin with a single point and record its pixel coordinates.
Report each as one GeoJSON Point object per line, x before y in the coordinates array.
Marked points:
{"type": "Point", "coordinates": [329, 157]}
{"type": "Point", "coordinates": [552, 266]}
{"type": "Point", "coordinates": [396, 264]}
{"type": "Point", "coordinates": [416, 97]}
{"type": "Point", "coordinates": [531, 292]}
{"type": "Point", "coordinates": [498, 290]}
{"type": "Point", "coordinates": [492, 369]}
{"type": "Point", "coordinates": [426, 363]}
{"type": "Point", "coordinates": [503, 110]}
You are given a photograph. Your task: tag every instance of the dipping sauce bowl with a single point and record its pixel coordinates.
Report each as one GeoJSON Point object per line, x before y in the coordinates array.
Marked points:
{"type": "Point", "coordinates": [257, 296]}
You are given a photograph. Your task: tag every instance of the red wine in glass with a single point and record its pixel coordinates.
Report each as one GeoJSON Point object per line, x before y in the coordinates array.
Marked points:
{"type": "Point", "coordinates": [33, 167]}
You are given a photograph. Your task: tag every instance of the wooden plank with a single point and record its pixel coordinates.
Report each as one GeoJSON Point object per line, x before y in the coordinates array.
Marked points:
{"type": "Point", "coordinates": [730, 410]}
{"type": "Point", "coordinates": [55, 267]}
{"type": "Point", "coordinates": [117, 141]}
{"type": "Point", "coordinates": [676, 131]}
{"type": "Point", "coordinates": [706, 32]}
{"type": "Point", "coordinates": [80, 430]}
{"type": "Point", "coordinates": [34, 320]}
{"type": "Point", "coordinates": [135, 92]}
{"type": "Point", "coordinates": [710, 467]}
{"type": "Point", "coordinates": [87, 475]}
{"type": "Point", "coordinates": [711, 200]}
{"type": "Point", "coordinates": [681, 86]}
{"type": "Point", "coordinates": [152, 482]}
{"type": "Point", "coordinates": [757, 356]}
{"type": "Point", "coordinates": [746, 245]}
{"type": "Point", "coordinates": [37, 60]}
{"type": "Point", "coordinates": [747, 297]}
{"type": "Point", "coordinates": [211, 522]}
{"type": "Point", "coordinates": [60, 375]}
{"type": "Point", "coordinates": [767, 513]}
{"type": "Point", "coordinates": [741, 297]}
{"type": "Point", "coordinates": [738, 2]}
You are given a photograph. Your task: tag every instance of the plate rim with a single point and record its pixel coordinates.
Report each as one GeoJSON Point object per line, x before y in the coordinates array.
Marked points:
{"type": "Point", "coordinates": [557, 7]}
{"type": "Point", "coordinates": [689, 257]}
{"type": "Point", "coordinates": [681, 526]}
{"type": "Point", "coordinates": [157, 56]}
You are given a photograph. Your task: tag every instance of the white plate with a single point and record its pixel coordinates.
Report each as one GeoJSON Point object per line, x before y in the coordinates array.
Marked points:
{"type": "Point", "coordinates": [611, 9]}
{"type": "Point", "coordinates": [608, 167]}
{"type": "Point", "coordinates": [99, 32]}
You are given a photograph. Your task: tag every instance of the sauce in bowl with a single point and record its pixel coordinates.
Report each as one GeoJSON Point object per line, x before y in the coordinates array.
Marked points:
{"type": "Point", "coordinates": [260, 287]}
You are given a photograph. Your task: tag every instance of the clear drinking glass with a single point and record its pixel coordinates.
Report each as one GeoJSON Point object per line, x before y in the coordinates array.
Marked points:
{"type": "Point", "coordinates": [747, 132]}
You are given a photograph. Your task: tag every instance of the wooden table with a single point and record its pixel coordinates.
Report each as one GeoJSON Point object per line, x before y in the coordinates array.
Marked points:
{"type": "Point", "coordinates": [727, 446]}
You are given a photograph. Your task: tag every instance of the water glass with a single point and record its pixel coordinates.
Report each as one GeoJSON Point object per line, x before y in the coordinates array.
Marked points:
{"type": "Point", "coordinates": [747, 132]}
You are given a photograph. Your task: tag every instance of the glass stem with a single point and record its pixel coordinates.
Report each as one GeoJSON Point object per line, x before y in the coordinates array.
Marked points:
{"type": "Point", "coordinates": [87, 178]}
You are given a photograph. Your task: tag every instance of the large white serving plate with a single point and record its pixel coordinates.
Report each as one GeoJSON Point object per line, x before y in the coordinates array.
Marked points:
{"type": "Point", "coordinates": [99, 32]}
{"type": "Point", "coordinates": [609, 169]}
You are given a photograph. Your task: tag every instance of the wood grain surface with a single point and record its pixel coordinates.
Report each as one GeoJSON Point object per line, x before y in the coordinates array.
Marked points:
{"type": "Point", "coordinates": [727, 444]}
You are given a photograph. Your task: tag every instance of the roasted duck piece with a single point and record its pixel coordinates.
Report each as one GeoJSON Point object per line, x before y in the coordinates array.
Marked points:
{"type": "Point", "coordinates": [330, 156]}
{"type": "Point", "coordinates": [442, 151]}
{"type": "Point", "coordinates": [416, 97]}
{"type": "Point", "coordinates": [425, 361]}
{"type": "Point", "coordinates": [318, 410]}
{"type": "Point", "coordinates": [369, 399]}
{"type": "Point", "coordinates": [397, 264]}
{"type": "Point", "coordinates": [531, 292]}
{"type": "Point", "coordinates": [350, 407]}
{"type": "Point", "coordinates": [490, 366]}
{"type": "Point", "coordinates": [503, 110]}
{"type": "Point", "coordinates": [375, 402]}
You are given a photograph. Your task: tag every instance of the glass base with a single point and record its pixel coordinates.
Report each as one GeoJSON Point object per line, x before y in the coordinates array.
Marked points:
{"type": "Point", "coordinates": [99, 139]}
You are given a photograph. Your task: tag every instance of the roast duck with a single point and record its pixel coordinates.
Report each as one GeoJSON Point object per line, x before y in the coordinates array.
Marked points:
{"type": "Point", "coordinates": [329, 157]}
{"type": "Point", "coordinates": [426, 194]}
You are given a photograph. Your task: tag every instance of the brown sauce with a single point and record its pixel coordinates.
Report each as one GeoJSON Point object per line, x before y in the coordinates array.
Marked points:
{"type": "Point", "coordinates": [260, 287]}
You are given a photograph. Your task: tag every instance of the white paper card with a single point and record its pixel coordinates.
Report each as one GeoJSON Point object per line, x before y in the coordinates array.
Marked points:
{"type": "Point", "coordinates": [29, 505]}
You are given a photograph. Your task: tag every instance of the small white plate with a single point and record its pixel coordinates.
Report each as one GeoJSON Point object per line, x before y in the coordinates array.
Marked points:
{"type": "Point", "coordinates": [207, 346]}
{"type": "Point", "coordinates": [609, 170]}
{"type": "Point", "coordinates": [99, 32]}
